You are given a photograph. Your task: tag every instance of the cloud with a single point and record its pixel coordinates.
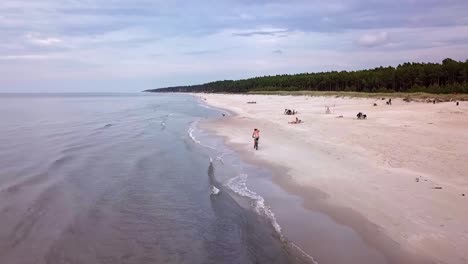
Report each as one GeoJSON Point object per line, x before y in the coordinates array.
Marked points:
{"type": "Point", "coordinates": [260, 33]}
{"type": "Point", "coordinates": [373, 39]}
{"type": "Point", "coordinates": [42, 41]}
{"type": "Point", "coordinates": [200, 52]}
{"type": "Point", "coordinates": [278, 52]}
{"type": "Point", "coordinates": [158, 43]}
{"type": "Point", "coordinates": [24, 57]}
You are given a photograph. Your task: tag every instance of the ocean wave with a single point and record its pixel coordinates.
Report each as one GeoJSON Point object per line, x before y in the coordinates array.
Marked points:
{"type": "Point", "coordinates": [214, 190]}
{"type": "Point", "coordinates": [204, 105]}
{"type": "Point", "coordinates": [239, 185]}
{"type": "Point", "coordinates": [220, 158]}
{"type": "Point", "coordinates": [201, 102]}
{"type": "Point", "coordinates": [190, 133]}
{"type": "Point", "coordinates": [303, 253]}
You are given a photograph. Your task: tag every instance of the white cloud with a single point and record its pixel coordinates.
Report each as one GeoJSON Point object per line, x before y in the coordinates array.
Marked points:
{"type": "Point", "coordinates": [373, 39]}
{"type": "Point", "coordinates": [43, 41]}
{"type": "Point", "coordinates": [24, 57]}
{"type": "Point", "coordinates": [116, 40]}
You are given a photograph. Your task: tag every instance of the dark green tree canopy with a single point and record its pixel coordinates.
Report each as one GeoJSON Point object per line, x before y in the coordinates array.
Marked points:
{"type": "Point", "coordinates": [450, 76]}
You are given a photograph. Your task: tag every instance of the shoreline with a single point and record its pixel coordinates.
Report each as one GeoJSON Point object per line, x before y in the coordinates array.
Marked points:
{"type": "Point", "coordinates": [315, 199]}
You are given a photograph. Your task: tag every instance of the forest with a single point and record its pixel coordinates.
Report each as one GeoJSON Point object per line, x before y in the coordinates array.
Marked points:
{"type": "Point", "coordinates": [447, 77]}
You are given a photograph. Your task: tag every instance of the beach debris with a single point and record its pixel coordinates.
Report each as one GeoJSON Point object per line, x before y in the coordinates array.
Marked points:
{"type": "Point", "coordinates": [416, 180]}
{"type": "Point", "coordinates": [407, 99]}
{"type": "Point", "coordinates": [375, 104]}
{"type": "Point", "coordinates": [383, 98]}
{"type": "Point", "coordinates": [463, 194]}
{"type": "Point", "coordinates": [224, 114]}
{"type": "Point", "coordinates": [340, 116]}
{"type": "Point", "coordinates": [437, 188]}
{"type": "Point", "coordinates": [252, 102]}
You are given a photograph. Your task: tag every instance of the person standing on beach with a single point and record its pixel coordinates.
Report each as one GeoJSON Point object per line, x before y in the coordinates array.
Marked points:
{"type": "Point", "coordinates": [256, 137]}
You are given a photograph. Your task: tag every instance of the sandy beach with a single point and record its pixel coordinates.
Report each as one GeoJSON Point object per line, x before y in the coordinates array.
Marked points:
{"type": "Point", "coordinates": [398, 178]}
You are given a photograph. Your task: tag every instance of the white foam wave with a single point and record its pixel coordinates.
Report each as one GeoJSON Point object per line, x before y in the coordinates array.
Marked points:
{"type": "Point", "coordinates": [204, 105]}
{"type": "Point", "coordinates": [220, 158]}
{"type": "Point", "coordinates": [190, 133]}
{"type": "Point", "coordinates": [239, 185]}
{"type": "Point", "coordinates": [296, 247]}
{"type": "Point", "coordinates": [214, 190]}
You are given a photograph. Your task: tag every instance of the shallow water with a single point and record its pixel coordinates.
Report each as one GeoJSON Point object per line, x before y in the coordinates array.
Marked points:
{"type": "Point", "coordinates": [310, 233]}
{"type": "Point", "coordinates": [121, 179]}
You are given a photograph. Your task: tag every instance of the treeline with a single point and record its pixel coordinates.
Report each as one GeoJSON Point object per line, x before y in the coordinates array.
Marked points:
{"type": "Point", "coordinates": [450, 76]}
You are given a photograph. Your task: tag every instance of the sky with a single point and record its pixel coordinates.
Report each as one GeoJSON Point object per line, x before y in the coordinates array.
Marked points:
{"type": "Point", "coordinates": [132, 45]}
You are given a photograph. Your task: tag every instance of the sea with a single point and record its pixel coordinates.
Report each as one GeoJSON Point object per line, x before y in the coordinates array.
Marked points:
{"type": "Point", "coordinates": [127, 178]}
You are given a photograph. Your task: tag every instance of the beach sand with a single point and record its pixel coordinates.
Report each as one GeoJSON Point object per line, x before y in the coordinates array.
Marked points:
{"type": "Point", "coordinates": [399, 178]}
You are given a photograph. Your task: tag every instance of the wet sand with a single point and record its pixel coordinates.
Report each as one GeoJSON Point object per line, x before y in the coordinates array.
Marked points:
{"type": "Point", "coordinates": [377, 176]}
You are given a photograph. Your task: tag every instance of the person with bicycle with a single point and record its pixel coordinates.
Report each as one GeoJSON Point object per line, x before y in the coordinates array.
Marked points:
{"type": "Point", "coordinates": [256, 137]}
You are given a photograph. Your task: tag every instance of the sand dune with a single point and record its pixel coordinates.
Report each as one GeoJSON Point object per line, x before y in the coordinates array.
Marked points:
{"type": "Point", "coordinates": [404, 169]}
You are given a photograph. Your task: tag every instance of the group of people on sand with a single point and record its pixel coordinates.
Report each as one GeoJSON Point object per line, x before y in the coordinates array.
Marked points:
{"type": "Point", "coordinates": [290, 112]}
{"type": "Point", "coordinates": [297, 121]}
{"type": "Point", "coordinates": [256, 132]}
{"type": "Point", "coordinates": [360, 115]}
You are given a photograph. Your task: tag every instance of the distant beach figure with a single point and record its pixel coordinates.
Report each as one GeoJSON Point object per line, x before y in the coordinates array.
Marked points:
{"type": "Point", "coordinates": [458, 103]}
{"type": "Point", "coordinates": [256, 137]}
{"type": "Point", "coordinates": [297, 121]}
{"type": "Point", "coordinates": [360, 115]}
{"type": "Point", "coordinates": [389, 102]}
{"type": "Point", "coordinates": [290, 112]}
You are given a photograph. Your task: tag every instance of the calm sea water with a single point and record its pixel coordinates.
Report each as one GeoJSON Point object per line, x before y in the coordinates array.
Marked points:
{"type": "Point", "coordinates": [124, 179]}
